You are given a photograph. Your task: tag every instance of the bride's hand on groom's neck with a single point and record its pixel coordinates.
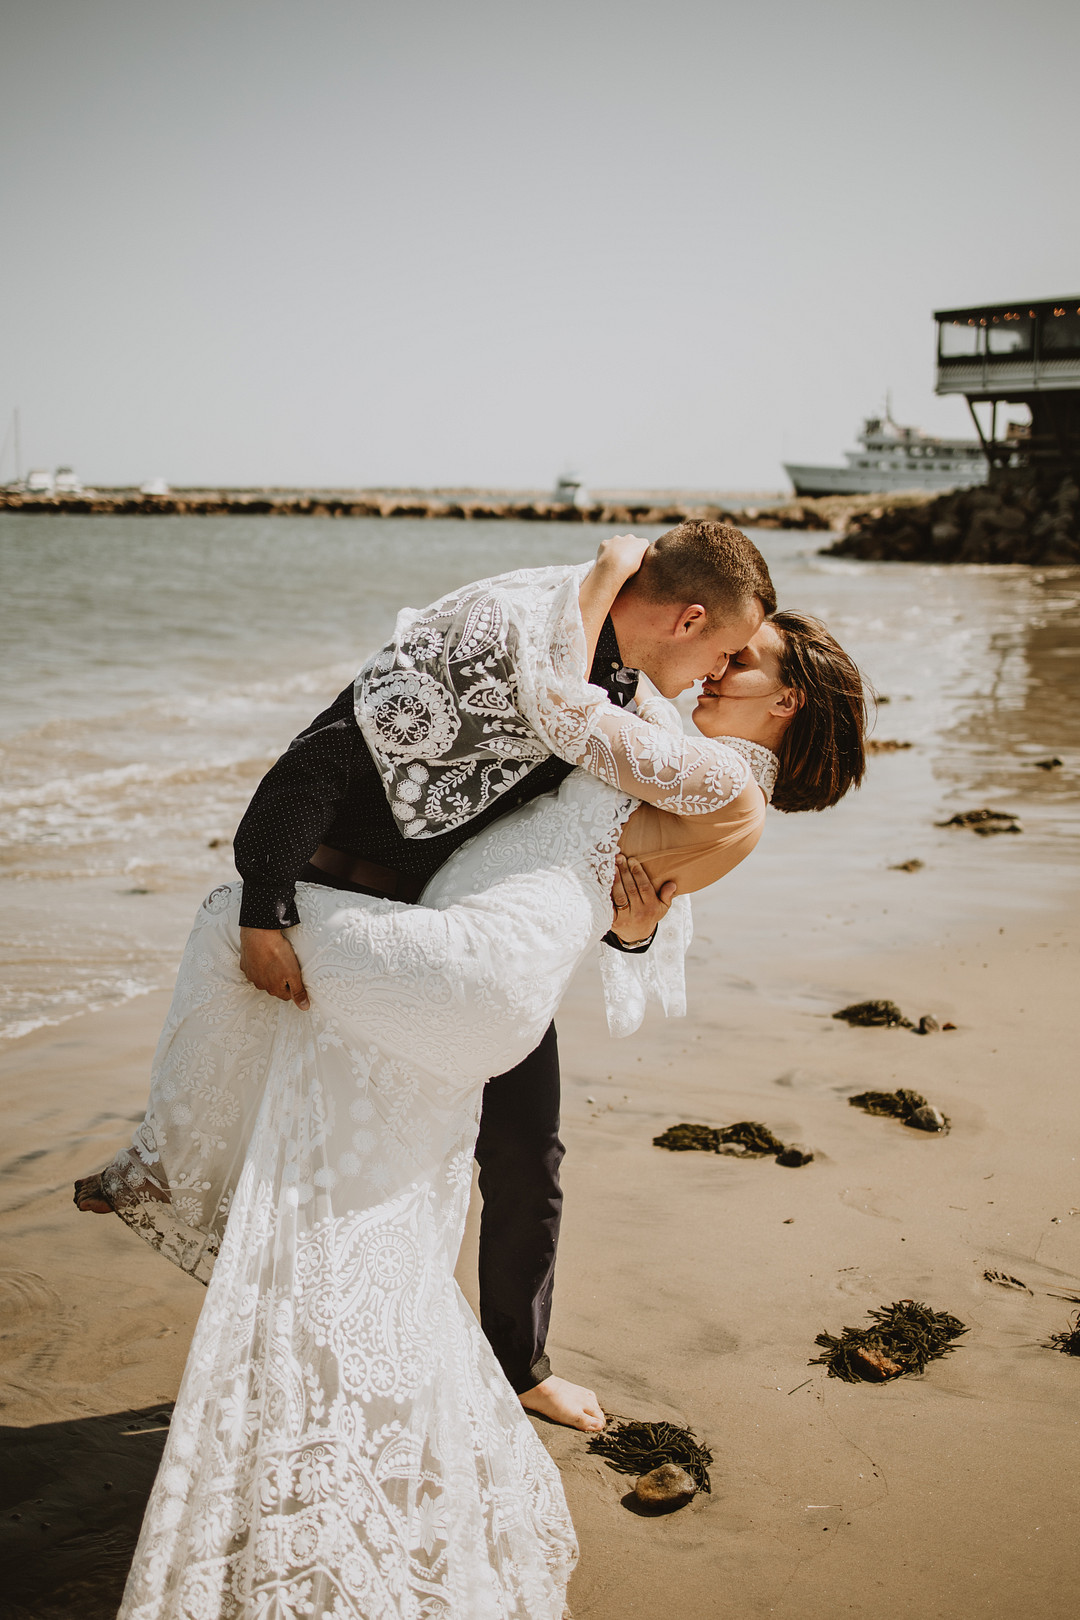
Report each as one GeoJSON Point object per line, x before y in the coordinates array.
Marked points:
{"type": "Point", "coordinates": [619, 556]}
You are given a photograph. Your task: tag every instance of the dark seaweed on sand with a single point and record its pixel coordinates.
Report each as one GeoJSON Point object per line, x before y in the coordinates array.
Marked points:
{"type": "Point", "coordinates": [874, 1015]}
{"type": "Point", "coordinates": [636, 1448]}
{"type": "Point", "coordinates": [1004, 1280]}
{"type": "Point", "coordinates": [909, 1106]}
{"type": "Point", "coordinates": [906, 1333]}
{"type": "Point", "coordinates": [746, 1140]}
{"type": "Point", "coordinates": [885, 1015]}
{"type": "Point", "coordinates": [985, 822]}
{"type": "Point", "coordinates": [900, 1104]}
{"type": "Point", "coordinates": [1069, 1341]}
{"type": "Point", "coordinates": [689, 1139]}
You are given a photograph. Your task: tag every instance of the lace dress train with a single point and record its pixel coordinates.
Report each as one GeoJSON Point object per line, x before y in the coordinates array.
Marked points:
{"type": "Point", "coordinates": [344, 1444]}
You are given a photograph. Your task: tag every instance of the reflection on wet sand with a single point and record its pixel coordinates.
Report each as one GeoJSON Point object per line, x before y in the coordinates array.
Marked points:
{"type": "Point", "coordinates": [1029, 712]}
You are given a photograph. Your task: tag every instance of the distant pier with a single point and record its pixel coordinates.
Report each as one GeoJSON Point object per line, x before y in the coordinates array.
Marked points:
{"type": "Point", "coordinates": [646, 509]}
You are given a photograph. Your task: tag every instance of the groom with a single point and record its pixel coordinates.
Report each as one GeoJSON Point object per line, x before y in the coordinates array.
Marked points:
{"type": "Point", "coordinates": [322, 814]}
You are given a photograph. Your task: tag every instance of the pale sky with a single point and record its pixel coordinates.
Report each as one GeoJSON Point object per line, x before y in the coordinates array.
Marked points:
{"type": "Point", "coordinates": [482, 241]}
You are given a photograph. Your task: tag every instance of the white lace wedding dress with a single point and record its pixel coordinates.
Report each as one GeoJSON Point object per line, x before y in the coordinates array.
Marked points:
{"type": "Point", "coordinates": [344, 1444]}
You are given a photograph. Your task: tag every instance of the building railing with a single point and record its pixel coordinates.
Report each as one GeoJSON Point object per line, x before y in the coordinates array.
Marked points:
{"type": "Point", "coordinates": [1030, 373]}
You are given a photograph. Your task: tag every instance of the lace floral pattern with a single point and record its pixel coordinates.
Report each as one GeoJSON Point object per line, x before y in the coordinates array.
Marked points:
{"type": "Point", "coordinates": [658, 976]}
{"type": "Point", "coordinates": [345, 1445]}
{"type": "Point", "coordinates": [474, 690]}
{"type": "Point", "coordinates": [763, 763]}
{"type": "Point", "coordinates": [438, 706]}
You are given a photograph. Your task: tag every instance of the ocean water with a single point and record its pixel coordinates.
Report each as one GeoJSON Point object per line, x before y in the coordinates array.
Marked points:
{"type": "Point", "coordinates": [154, 668]}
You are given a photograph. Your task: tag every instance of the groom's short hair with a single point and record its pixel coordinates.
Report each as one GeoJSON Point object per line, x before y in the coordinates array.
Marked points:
{"type": "Point", "coordinates": [710, 563]}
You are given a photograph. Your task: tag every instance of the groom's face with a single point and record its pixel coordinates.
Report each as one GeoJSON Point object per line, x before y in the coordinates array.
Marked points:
{"type": "Point", "coordinates": [696, 648]}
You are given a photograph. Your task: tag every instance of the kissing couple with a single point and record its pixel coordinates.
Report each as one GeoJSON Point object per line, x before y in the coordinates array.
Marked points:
{"type": "Point", "coordinates": [505, 786]}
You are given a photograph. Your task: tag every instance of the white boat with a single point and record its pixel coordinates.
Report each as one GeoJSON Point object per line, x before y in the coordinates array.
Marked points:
{"type": "Point", "coordinates": [571, 489]}
{"type": "Point", "coordinates": [892, 457]}
{"type": "Point", "coordinates": [40, 481]}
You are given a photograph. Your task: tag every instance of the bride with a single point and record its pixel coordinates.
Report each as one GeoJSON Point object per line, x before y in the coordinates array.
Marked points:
{"type": "Point", "coordinates": [344, 1444]}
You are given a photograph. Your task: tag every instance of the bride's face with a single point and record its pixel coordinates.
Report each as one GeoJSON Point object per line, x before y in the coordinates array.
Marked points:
{"type": "Point", "coordinates": [745, 701]}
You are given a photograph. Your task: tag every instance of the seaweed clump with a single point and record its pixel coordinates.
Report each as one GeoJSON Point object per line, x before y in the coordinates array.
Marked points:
{"type": "Point", "coordinates": [899, 1104]}
{"type": "Point", "coordinates": [905, 1336]}
{"type": "Point", "coordinates": [885, 1015]}
{"type": "Point", "coordinates": [874, 1015]}
{"type": "Point", "coordinates": [985, 822]}
{"type": "Point", "coordinates": [689, 1139]}
{"type": "Point", "coordinates": [748, 1139]}
{"type": "Point", "coordinates": [631, 1447]}
{"type": "Point", "coordinates": [1068, 1342]}
{"type": "Point", "coordinates": [909, 1106]}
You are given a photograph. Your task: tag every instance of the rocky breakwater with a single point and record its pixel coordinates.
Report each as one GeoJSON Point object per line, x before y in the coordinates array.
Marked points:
{"type": "Point", "coordinates": [494, 505]}
{"type": "Point", "coordinates": [1017, 518]}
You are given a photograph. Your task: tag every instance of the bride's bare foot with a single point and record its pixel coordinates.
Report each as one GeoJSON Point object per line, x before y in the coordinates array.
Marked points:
{"type": "Point", "coordinates": [89, 1198]}
{"type": "Point", "coordinates": [563, 1402]}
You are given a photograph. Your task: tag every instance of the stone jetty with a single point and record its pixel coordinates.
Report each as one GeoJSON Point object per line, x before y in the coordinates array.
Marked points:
{"type": "Point", "coordinates": [644, 509]}
{"type": "Point", "coordinates": [1014, 519]}
{"type": "Point", "coordinates": [1017, 518]}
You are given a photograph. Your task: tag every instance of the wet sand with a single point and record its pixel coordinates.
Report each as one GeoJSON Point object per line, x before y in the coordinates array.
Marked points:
{"type": "Point", "coordinates": [690, 1287]}
{"type": "Point", "coordinates": [686, 1295]}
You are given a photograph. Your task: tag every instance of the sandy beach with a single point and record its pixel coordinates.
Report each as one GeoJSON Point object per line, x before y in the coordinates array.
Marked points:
{"type": "Point", "coordinates": [691, 1287]}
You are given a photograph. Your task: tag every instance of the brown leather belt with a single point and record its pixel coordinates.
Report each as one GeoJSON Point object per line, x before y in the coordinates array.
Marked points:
{"type": "Point", "coordinates": [337, 866]}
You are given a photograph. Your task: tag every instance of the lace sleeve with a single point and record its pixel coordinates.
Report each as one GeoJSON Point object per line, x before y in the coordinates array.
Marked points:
{"type": "Point", "coordinates": [439, 707]}
{"type": "Point", "coordinates": [683, 775]}
{"type": "Point", "coordinates": [630, 983]}
{"type": "Point", "coordinates": [647, 755]}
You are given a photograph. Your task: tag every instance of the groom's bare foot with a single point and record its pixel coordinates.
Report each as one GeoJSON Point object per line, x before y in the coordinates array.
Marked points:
{"type": "Point", "coordinates": [89, 1197]}
{"type": "Point", "coordinates": [563, 1402]}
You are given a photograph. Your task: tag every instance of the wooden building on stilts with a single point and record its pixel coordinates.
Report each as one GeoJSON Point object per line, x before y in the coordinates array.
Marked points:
{"type": "Point", "coordinates": [1028, 354]}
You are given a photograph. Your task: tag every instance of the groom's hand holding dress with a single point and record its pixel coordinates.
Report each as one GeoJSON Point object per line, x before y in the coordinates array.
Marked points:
{"type": "Point", "coordinates": [268, 961]}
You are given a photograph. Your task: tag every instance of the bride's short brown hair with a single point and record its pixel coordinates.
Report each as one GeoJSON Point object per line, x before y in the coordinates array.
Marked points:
{"type": "Point", "coordinates": [822, 754]}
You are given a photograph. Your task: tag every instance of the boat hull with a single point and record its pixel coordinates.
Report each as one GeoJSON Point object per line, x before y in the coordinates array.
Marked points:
{"type": "Point", "coordinates": [881, 480]}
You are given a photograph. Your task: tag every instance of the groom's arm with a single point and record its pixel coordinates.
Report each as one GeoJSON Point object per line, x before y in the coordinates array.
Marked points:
{"type": "Point", "coordinates": [292, 807]}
